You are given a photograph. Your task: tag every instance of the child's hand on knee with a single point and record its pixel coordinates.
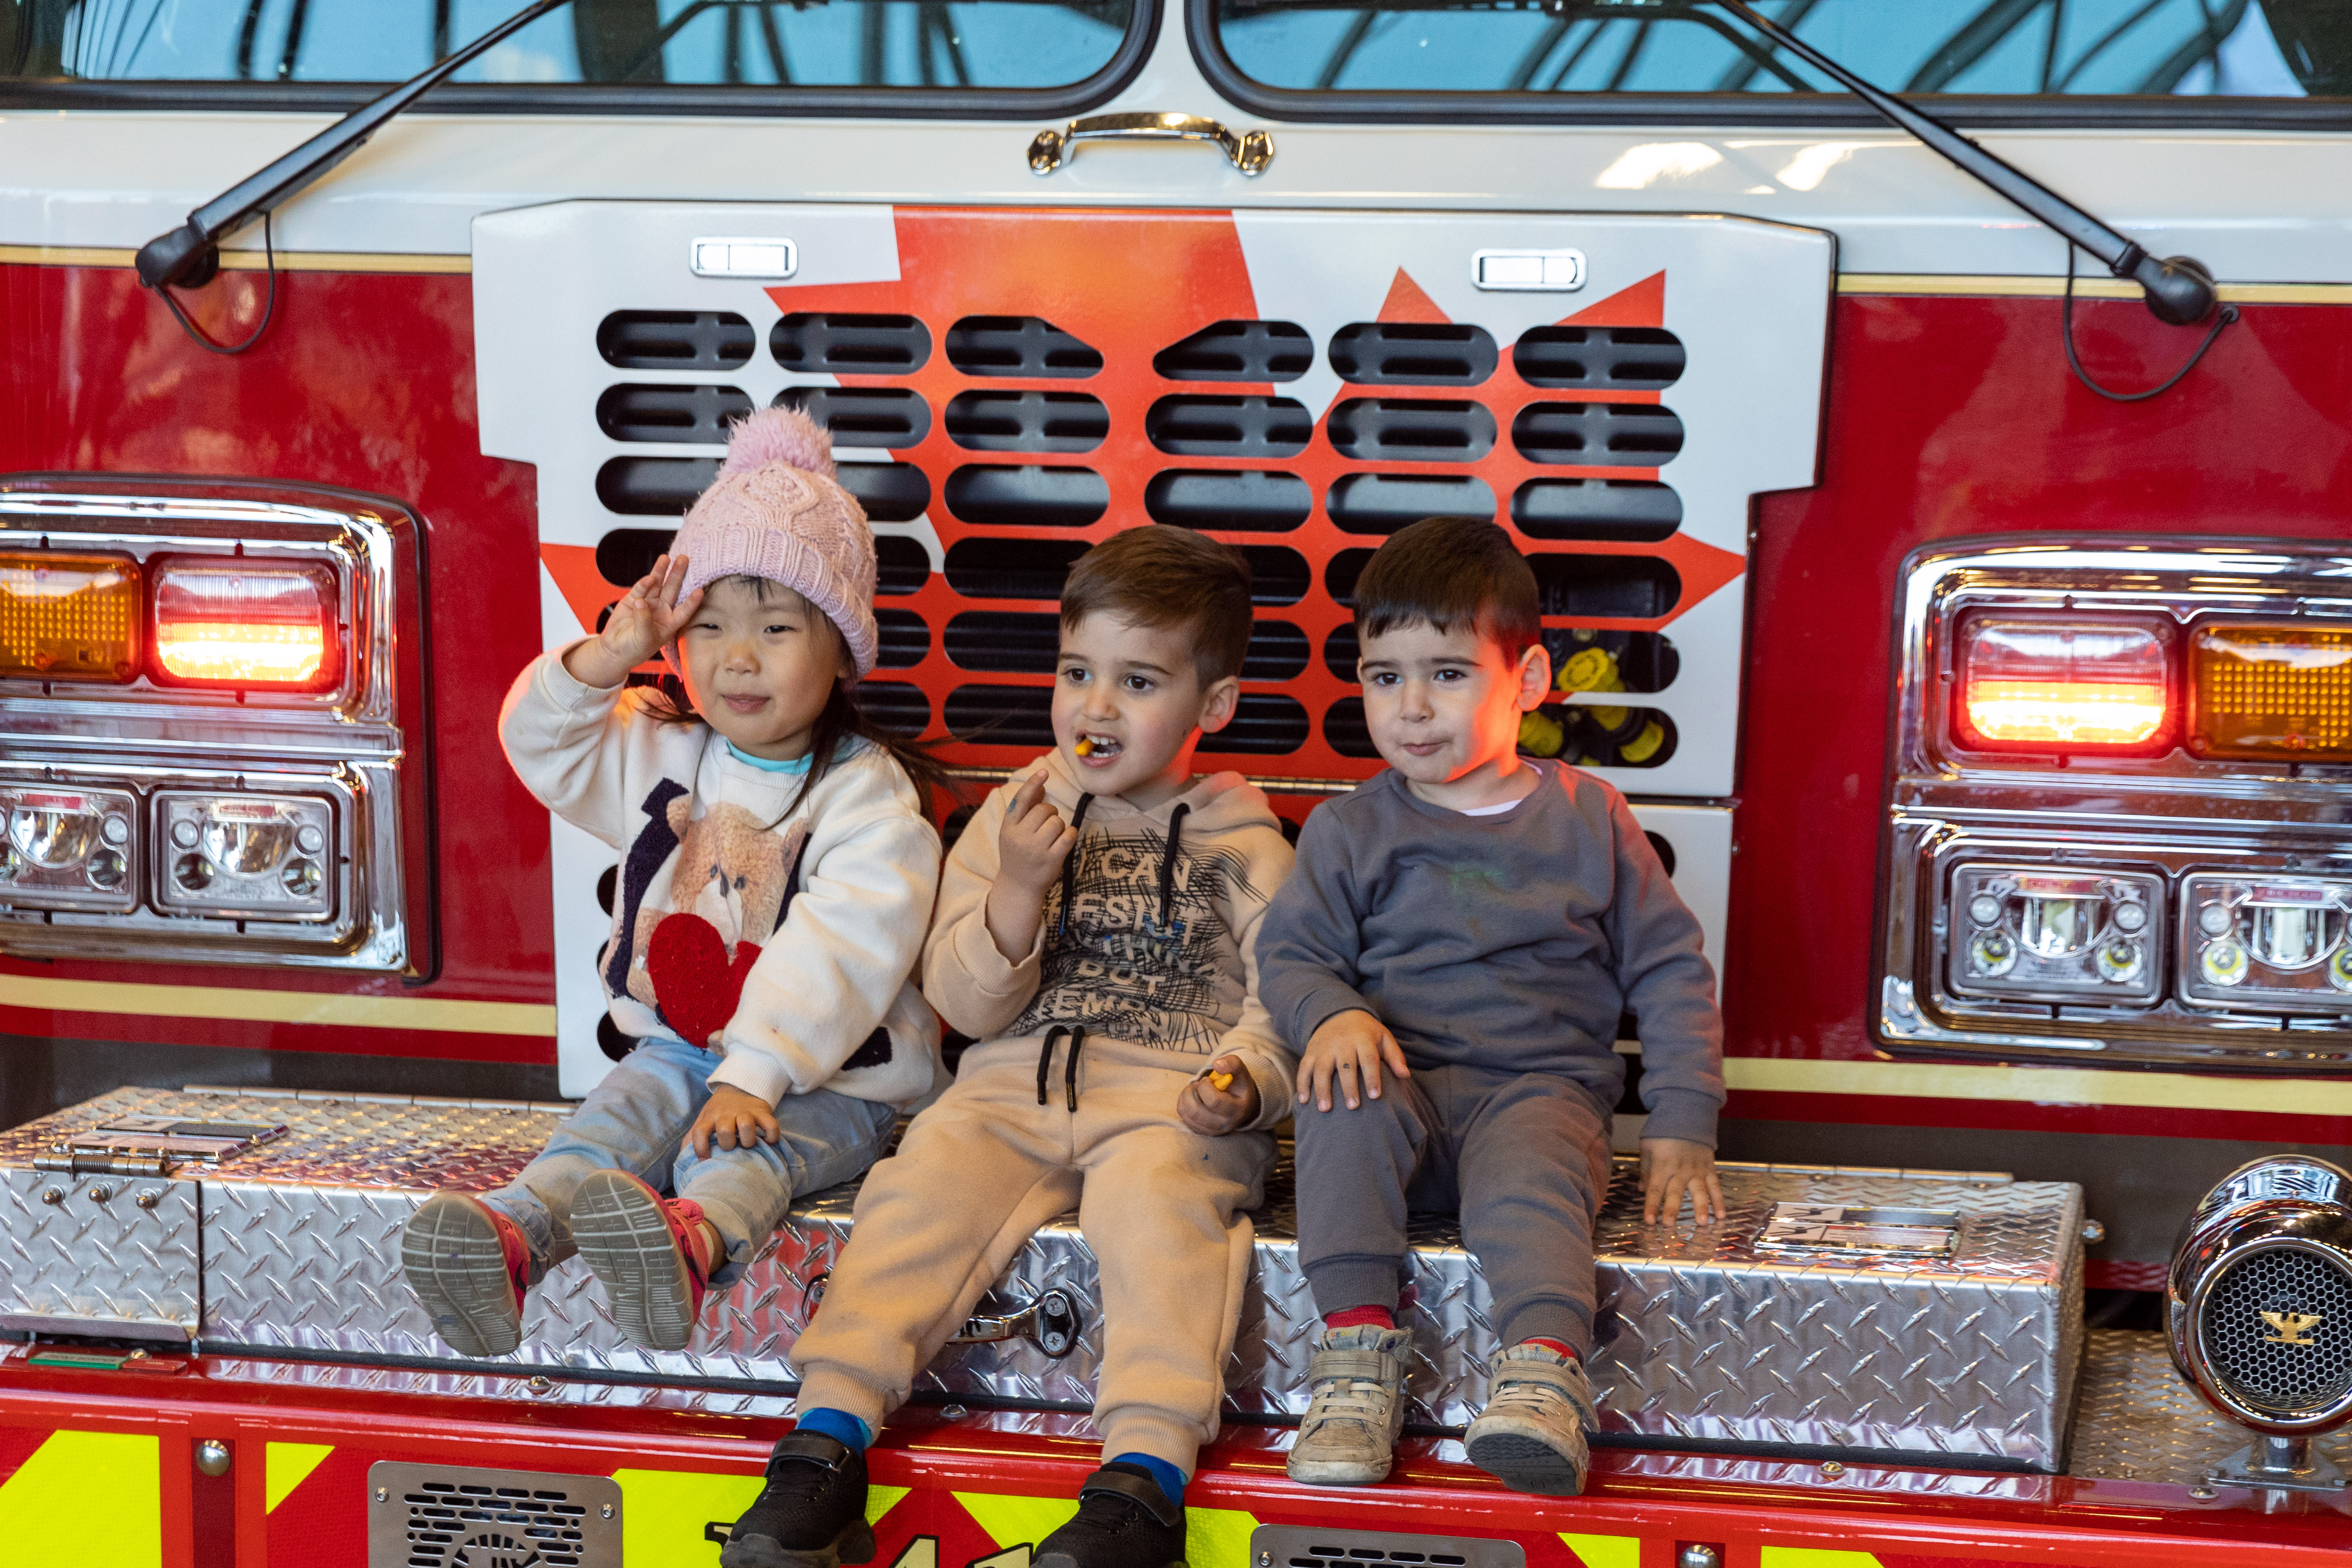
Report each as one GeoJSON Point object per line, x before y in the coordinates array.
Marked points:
{"type": "Point", "coordinates": [1671, 1167]}
{"type": "Point", "coordinates": [1214, 1110]}
{"type": "Point", "coordinates": [1351, 1048]}
{"type": "Point", "coordinates": [731, 1119]}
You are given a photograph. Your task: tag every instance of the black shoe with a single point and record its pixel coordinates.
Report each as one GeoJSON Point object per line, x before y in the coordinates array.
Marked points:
{"type": "Point", "coordinates": [812, 1512]}
{"type": "Point", "coordinates": [1125, 1520]}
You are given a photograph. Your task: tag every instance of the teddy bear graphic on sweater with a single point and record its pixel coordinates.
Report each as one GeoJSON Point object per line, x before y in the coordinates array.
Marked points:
{"type": "Point", "coordinates": [729, 886]}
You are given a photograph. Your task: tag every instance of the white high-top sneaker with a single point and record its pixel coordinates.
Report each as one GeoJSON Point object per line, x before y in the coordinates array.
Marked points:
{"type": "Point", "coordinates": [1531, 1437]}
{"type": "Point", "coordinates": [1349, 1436]}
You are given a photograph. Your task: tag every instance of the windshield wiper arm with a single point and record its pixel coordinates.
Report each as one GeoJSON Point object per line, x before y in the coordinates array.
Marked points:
{"type": "Point", "coordinates": [2178, 289]}
{"type": "Point", "coordinates": [189, 255]}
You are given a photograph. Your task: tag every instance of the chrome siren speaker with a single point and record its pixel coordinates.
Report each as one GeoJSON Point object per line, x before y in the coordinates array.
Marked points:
{"type": "Point", "coordinates": [2258, 1304]}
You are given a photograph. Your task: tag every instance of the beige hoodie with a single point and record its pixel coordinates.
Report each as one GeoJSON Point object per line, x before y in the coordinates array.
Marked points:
{"type": "Point", "coordinates": [1171, 969]}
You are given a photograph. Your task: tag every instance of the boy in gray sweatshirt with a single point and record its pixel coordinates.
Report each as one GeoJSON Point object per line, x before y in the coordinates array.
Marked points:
{"type": "Point", "coordinates": [1474, 922]}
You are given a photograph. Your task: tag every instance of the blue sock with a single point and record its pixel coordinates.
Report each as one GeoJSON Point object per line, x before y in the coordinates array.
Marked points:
{"type": "Point", "coordinates": [1170, 1478]}
{"type": "Point", "coordinates": [838, 1425]}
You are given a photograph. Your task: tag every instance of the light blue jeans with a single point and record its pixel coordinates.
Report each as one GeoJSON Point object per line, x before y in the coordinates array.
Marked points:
{"type": "Point", "coordinates": [635, 1119]}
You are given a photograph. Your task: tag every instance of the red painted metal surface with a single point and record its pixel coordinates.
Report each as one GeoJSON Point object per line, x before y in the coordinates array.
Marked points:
{"type": "Point", "coordinates": [1949, 417]}
{"type": "Point", "coordinates": [365, 382]}
{"type": "Point", "coordinates": [2053, 1520]}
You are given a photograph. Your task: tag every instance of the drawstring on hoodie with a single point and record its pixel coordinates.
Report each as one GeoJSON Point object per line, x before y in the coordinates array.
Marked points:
{"type": "Point", "coordinates": [1070, 874]}
{"type": "Point", "coordinates": [1078, 1033]}
{"type": "Point", "coordinates": [1168, 870]}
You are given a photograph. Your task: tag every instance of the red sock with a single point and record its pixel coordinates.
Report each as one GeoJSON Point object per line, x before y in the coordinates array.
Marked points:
{"type": "Point", "coordinates": [1360, 1318]}
{"type": "Point", "coordinates": [1552, 1345]}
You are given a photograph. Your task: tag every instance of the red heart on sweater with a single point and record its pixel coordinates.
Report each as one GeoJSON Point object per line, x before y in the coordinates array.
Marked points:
{"type": "Point", "coordinates": [696, 988]}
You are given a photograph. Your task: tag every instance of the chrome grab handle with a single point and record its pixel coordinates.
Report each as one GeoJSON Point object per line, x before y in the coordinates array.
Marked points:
{"type": "Point", "coordinates": [1049, 1320]}
{"type": "Point", "coordinates": [1250, 152]}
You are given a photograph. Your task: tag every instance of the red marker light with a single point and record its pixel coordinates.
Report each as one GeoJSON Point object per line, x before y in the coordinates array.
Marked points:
{"type": "Point", "coordinates": [2063, 683]}
{"type": "Point", "coordinates": [246, 623]}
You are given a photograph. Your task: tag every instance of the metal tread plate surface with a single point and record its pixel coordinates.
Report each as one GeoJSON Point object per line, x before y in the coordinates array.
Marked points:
{"type": "Point", "coordinates": [1704, 1337]}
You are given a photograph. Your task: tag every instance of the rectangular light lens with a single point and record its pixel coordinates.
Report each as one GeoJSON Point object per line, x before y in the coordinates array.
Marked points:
{"type": "Point", "coordinates": [68, 617]}
{"type": "Point", "coordinates": [257, 856]}
{"type": "Point", "coordinates": [2267, 944]}
{"type": "Point", "coordinates": [2278, 691]}
{"type": "Point", "coordinates": [246, 623]}
{"type": "Point", "coordinates": [2033, 932]}
{"type": "Point", "coordinates": [2058, 683]}
{"type": "Point", "coordinates": [64, 847]}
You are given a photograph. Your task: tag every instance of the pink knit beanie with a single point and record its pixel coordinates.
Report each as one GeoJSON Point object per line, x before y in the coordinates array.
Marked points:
{"type": "Point", "coordinates": [777, 511]}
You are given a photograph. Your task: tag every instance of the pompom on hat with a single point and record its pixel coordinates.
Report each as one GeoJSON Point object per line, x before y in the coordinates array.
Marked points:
{"type": "Point", "coordinates": [776, 511]}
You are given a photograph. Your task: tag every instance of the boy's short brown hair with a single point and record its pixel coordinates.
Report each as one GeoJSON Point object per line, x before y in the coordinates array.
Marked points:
{"type": "Point", "coordinates": [1452, 572]}
{"type": "Point", "coordinates": [1162, 575]}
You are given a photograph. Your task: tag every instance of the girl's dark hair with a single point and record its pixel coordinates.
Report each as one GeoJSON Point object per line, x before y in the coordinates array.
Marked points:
{"type": "Point", "coordinates": [839, 720]}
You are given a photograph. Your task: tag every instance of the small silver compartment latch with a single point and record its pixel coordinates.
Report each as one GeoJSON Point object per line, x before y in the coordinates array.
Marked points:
{"type": "Point", "coordinates": [1050, 1320]}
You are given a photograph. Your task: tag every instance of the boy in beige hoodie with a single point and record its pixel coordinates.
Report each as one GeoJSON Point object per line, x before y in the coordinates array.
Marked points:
{"type": "Point", "coordinates": [1095, 932]}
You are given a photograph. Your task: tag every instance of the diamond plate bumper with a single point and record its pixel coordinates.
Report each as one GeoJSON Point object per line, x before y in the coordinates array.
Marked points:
{"type": "Point", "coordinates": [1705, 1341]}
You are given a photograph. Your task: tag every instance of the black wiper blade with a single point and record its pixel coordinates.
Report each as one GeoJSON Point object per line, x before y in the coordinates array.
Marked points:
{"type": "Point", "coordinates": [2178, 288]}
{"type": "Point", "coordinates": [189, 255]}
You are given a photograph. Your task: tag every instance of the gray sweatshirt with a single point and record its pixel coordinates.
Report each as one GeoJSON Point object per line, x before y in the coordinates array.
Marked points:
{"type": "Point", "coordinates": [1510, 942]}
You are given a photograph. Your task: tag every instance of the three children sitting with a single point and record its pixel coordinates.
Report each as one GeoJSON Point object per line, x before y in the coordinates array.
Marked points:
{"type": "Point", "coordinates": [1432, 999]}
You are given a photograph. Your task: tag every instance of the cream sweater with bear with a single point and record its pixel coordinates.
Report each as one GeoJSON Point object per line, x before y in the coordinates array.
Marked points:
{"type": "Point", "coordinates": [793, 938]}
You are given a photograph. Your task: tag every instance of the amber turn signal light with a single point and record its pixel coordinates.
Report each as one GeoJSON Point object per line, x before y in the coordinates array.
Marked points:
{"type": "Point", "coordinates": [2279, 691]}
{"type": "Point", "coordinates": [68, 617]}
{"type": "Point", "coordinates": [2047, 682]}
{"type": "Point", "coordinates": [244, 623]}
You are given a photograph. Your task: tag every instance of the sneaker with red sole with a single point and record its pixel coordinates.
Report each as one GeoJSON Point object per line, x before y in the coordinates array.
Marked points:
{"type": "Point", "coordinates": [470, 1266]}
{"type": "Point", "coordinates": [655, 1255]}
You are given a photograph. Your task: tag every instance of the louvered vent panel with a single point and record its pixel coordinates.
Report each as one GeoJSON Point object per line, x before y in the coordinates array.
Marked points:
{"type": "Point", "coordinates": [1014, 482]}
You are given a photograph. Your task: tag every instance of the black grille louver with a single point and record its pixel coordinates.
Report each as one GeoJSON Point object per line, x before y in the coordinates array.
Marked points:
{"type": "Point", "coordinates": [1028, 420]}
{"type": "Point", "coordinates": [634, 411]}
{"type": "Point", "coordinates": [863, 416]}
{"type": "Point", "coordinates": [1632, 435]}
{"type": "Point", "coordinates": [1277, 651]}
{"type": "Point", "coordinates": [676, 340]}
{"type": "Point", "coordinates": [905, 640]}
{"type": "Point", "coordinates": [1412, 430]}
{"type": "Point", "coordinates": [1605, 587]}
{"type": "Point", "coordinates": [901, 565]}
{"type": "Point", "coordinates": [1630, 511]}
{"type": "Point", "coordinates": [857, 344]}
{"type": "Point", "coordinates": [1633, 357]}
{"type": "Point", "coordinates": [2277, 1330]}
{"type": "Point", "coordinates": [1005, 642]}
{"type": "Point", "coordinates": [1010, 568]}
{"type": "Point", "coordinates": [1027, 497]}
{"type": "Point", "coordinates": [1383, 503]}
{"type": "Point", "coordinates": [1019, 346]}
{"type": "Point", "coordinates": [1232, 500]}
{"type": "Point", "coordinates": [1239, 351]}
{"type": "Point", "coordinates": [1249, 426]}
{"type": "Point", "coordinates": [1264, 724]}
{"type": "Point", "coordinates": [667, 486]}
{"type": "Point", "coordinates": [896, 708]}
{"type": "Point", "coordinates": [624, 555]}
{"type": "Point", "coordinates": [1413, 353]}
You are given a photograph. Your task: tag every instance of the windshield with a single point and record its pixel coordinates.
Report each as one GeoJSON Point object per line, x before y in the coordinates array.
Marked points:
{"type": "Point", "coordinates": [2034, 48]}
{"type": "Point", "coordinates": [916, 44]}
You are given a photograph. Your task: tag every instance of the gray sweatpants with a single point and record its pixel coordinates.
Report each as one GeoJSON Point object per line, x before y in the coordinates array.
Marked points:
{"type": "Point", "coordinates": [1523, 1156]}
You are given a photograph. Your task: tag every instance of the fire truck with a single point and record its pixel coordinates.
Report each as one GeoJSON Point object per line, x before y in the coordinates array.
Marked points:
{"type": "Point", "coordinates": [1930, 427]}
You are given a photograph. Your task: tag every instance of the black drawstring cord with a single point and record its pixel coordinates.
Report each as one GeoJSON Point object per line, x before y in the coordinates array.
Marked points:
{"type": "Point", "coordinates": [1070, 1074]}
{"type": "Point", "coordinates": [1167, 866]}
{"type": "Point", "coordinates": [1070, 868]}
{"type": "Point", "coordinates": [1046, 1060]}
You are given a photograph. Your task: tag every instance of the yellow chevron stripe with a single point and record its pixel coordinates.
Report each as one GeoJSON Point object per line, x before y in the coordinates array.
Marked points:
{"type": "Point", "coordinates": [84, 1497]}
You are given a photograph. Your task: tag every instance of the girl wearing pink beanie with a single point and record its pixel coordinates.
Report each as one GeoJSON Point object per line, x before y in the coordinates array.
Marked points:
{"type": "Point", "coordinates": [776, 878]}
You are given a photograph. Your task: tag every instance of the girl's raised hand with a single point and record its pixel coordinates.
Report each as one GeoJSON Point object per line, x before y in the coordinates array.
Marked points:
{"type": "Point", "coordinates": [646, 618]}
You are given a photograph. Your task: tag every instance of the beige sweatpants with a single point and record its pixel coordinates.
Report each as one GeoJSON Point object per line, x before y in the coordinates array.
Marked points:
{"type": "Point", "coordinates": [983, 1168]}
